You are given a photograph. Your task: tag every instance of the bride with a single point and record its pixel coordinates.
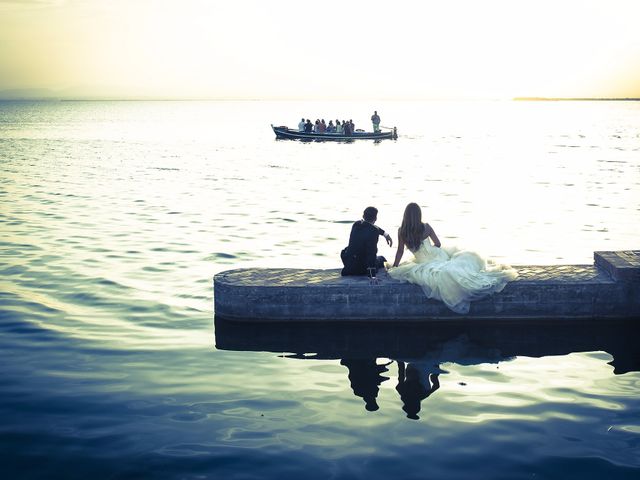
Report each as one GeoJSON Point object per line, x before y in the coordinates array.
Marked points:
{"type": "Point", "coordinates": [454, 276]}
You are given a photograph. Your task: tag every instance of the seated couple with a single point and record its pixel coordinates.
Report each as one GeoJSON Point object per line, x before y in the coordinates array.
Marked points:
{"type": "Point", "coordinates": [453, 276]}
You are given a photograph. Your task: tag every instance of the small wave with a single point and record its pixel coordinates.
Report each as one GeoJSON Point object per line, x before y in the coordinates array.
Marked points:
{"type": "Point", "coordinates": [13, 270]}
{"type": "Point", "coordinates": [188, 416]}
{"type": "Point", "coordinates": [220, 255]}
{"type": "Point", "coordinates": [154, 269]}
{"type": "Point", "coordinates": [93, 309]}
{"type": "Point", "coordinates": [21, 246]}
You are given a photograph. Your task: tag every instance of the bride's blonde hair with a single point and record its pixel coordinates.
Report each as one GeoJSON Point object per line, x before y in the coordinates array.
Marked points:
{"type": "Point", "coordinates": [412, 230]}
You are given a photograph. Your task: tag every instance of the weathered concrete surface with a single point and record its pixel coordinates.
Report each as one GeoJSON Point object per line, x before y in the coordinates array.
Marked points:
{"type": "Point", "coordinates": [608, 289]}
{"type": "Point", "coordinates": [622, 266]}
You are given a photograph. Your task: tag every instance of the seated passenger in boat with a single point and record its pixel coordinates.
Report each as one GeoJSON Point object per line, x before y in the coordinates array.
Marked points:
{"type": "Point", "coordinates": [308, 127]}
{"type": "Point", "coordinates": [331, 127]}
{"type": "Point", "coordinates": [360, 256]}
{"type": "Point", "coordinates": [339, 127]}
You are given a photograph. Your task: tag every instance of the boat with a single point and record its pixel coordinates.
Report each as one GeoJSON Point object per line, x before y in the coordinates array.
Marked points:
{"type": "Point", "coordinates": [286, 133]}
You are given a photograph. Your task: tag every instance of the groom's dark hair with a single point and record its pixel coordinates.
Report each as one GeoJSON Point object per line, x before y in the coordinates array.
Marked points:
{"type": "Point", "coordinates": [370, 214]}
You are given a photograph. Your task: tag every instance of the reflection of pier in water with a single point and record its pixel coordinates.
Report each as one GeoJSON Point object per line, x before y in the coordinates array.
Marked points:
{"type": "Point", "coordinates": [458, 342]}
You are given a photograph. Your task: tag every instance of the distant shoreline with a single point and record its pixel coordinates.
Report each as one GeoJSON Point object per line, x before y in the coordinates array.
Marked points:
{"type": "Point", "coordinates": [586, 99]}
{"type": "Point", "coordinates": [160, 99]}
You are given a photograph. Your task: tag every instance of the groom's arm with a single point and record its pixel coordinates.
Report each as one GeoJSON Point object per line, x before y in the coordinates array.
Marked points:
{"type": "Point", "coordinates": [386, 236]}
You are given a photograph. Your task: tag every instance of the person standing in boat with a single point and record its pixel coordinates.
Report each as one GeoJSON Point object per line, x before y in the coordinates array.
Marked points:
{"type": "Point", "coordinates": [346, 127]}
{"type": "Point", "coordinates": [360, 256]}
{"type": "Point", "coordinates": [375, 120]}
{"type": "Point", "coordinates": [338, 126]}
{"type": "Point", "coordinates": [301, 125]}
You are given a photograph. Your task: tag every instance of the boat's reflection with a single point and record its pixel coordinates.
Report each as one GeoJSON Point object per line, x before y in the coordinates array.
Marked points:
{"type": "Point", "coordinates": [419, 350]}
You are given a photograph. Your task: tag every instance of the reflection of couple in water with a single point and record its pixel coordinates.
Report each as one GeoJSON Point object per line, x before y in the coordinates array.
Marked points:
{"type": "Point", "coordinates": [414, 384]}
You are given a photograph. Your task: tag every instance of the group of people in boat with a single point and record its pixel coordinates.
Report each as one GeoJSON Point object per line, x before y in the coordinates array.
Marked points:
{"type": "Point", "coordinates": [346, 127]}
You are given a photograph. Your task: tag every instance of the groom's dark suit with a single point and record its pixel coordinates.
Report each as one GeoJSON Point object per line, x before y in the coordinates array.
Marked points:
{"type": "Point", "coordinates": [360, 254]}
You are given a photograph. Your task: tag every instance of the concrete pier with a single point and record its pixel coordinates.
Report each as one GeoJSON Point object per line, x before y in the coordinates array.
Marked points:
{"type": "Point", "coordinates": [610, 288]}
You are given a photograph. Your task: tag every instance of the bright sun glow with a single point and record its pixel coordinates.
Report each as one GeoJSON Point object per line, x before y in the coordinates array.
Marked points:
{"type": "Point", "coordinates": [335, 49]}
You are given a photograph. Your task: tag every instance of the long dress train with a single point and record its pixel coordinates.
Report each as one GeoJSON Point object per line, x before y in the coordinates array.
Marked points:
{"type": "Point", "coordinates": [457, 277]}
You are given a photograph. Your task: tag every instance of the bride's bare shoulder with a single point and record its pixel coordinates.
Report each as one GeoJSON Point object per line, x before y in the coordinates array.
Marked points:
{"type": "Point", "coordinates": [427, 229]}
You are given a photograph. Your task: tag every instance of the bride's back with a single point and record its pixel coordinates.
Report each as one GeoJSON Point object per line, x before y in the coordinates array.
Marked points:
{"type": "Point", "coordinates": [413, 238]}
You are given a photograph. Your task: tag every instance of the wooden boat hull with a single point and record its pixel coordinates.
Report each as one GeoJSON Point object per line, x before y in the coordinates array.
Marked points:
{"type": "Point", "coordinates": [285, 133]}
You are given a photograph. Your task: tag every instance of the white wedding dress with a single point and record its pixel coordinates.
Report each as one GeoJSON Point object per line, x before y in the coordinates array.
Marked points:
{"type": "Point", "coordinates": [454, 276]}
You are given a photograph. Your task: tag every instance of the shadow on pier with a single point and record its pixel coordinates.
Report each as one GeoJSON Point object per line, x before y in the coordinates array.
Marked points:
{"type": "Point", "coordinates": [462, 343]}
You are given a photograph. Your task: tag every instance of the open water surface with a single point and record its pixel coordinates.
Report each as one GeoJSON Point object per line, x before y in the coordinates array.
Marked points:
{"type": "Point", "coordinates": [116, 215]}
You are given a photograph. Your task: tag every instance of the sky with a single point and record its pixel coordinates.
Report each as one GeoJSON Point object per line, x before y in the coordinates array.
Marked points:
{"type": "Point", "coordinates": [347, 49]}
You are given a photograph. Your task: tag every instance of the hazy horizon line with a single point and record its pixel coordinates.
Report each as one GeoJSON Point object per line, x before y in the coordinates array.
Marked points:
{"type": "Point", "coordinates": [73, 94]}
{"type": "Point", "coordinates": [106, 98]}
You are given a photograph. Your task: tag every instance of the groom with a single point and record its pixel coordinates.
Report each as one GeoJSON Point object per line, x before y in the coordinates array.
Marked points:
{"type": "Point", "coordinates": [360, 255]}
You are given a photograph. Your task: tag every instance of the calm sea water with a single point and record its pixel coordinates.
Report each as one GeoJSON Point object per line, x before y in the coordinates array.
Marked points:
{"type": "Point", "coordinates": [116, 215]}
